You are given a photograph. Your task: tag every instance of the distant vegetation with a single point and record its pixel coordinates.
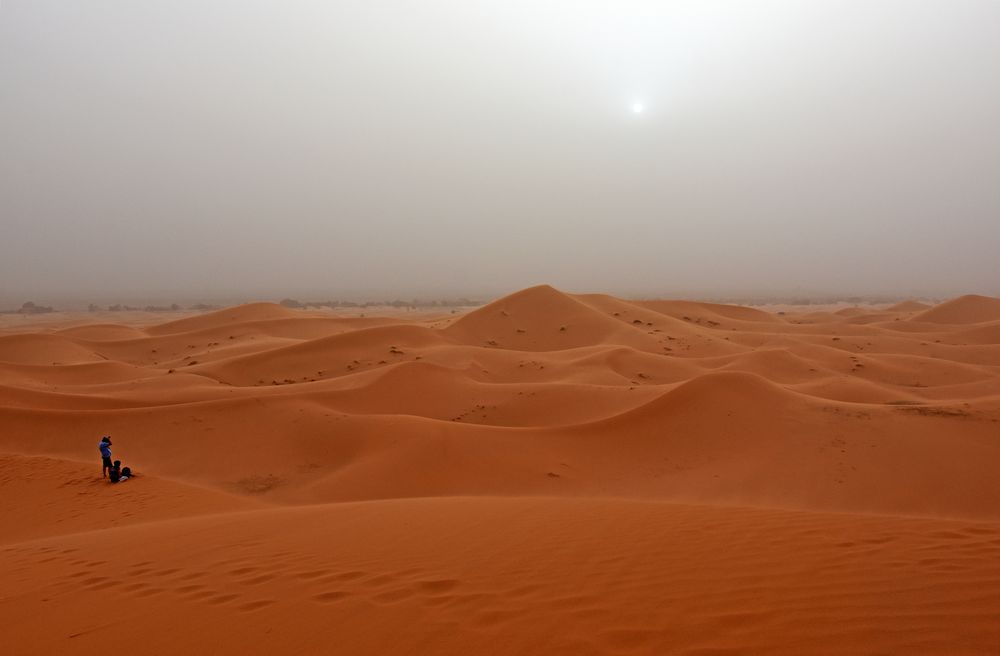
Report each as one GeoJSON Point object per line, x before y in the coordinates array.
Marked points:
{"type": "Point", "coordinates": [296, 304]}
{"type": "Point", "coordinates": [31, 308]}
{"type": "Point", "coordinates": [831, 299]}
{"type": "Point", "coordinates": [129, 308]}
{"type": "Point", "coordinates": [173, 307]}
{"type": "Point", "coordinates": [411, 304]}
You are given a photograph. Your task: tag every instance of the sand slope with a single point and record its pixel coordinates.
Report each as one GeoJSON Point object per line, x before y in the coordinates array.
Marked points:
{"type": "Point", "coordinates": [548, 473]}
{"type": "Point", "coordinates": [459, 576]}
{"type": "Point", "coordinates": [964, 309]}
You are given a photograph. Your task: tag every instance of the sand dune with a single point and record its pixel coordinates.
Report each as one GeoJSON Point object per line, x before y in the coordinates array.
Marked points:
{"type": "Point", "coordinates": [550, 473]}
{"type": "Point", "coordinates": [909, 306]}
{"type": "Point", "coordinates": [44, 350]}
{"type": "Point", "coordinates": [459, 576]}
{"type": "Point", "coordinates": [544, 319]}
{"type": "Point", "coordinates": [97, 332]}
{"type": "Point", "coordinates": [964, 309]}
{"type": "Point", "coordinates": [74, 500]}
{"type": "Point", "coordinates": [251, 312]}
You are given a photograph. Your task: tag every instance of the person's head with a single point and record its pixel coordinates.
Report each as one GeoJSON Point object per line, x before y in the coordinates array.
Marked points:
{"type": "Point", "coordinates": [106, 438]}
{"type": "Point", "coordinates": [118, 463]}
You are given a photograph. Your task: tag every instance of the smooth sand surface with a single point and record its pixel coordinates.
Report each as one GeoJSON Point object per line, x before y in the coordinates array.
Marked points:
{"type": "Point", "coordinates": [550, 473]}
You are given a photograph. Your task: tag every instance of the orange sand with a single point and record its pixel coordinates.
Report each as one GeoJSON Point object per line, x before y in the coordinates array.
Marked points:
{"type": "Point", "coordinates": [551, 473]}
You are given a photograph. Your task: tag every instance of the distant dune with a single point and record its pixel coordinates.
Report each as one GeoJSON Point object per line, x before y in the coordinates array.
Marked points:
{"type": "Point", "coordinates": [909, 306]}
{"type": "Point", "coordinates": [549, 473]}
{"type": "Point", "coordinates": [963, 310]}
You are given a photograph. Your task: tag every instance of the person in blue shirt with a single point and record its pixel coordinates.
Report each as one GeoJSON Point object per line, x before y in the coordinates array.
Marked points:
{"type": "Point", "coordinates": [105, 448]}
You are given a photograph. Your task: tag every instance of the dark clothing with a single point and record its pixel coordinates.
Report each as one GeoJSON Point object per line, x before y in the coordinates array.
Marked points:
{"type": "Point", "coordinates": [114, 474]}
{"type": "Point", "coordinates": [106, 461]}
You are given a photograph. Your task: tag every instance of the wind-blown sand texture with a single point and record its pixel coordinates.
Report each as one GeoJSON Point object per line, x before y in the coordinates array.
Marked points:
{"type": "Point", "coordinates": [548, 474]}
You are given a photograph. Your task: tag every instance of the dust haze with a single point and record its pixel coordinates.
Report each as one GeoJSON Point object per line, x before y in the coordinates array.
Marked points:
{"type": "Point", "coordinates": [262, 149]}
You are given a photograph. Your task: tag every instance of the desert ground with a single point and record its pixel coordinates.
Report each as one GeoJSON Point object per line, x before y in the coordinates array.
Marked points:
{"type": "Point", "coordinates": [551, 473]}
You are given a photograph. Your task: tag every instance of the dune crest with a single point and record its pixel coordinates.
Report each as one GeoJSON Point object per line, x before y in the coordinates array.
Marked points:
{"type": "Point", "coordinates": [225, 317]}
{"type": "Point", "coordinates": [971, 308]}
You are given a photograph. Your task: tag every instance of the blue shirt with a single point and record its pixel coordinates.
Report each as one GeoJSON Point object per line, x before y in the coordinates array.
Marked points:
{"type": "Point", "coordinates": [105, 449]}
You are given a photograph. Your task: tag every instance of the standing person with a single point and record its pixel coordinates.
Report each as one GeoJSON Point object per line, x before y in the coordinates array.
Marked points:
{"type": "Point", "coordinates": [105, 448]}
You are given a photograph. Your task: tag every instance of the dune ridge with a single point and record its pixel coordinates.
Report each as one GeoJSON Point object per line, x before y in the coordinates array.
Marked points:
{"type": "Point", "coordinates": [299, 467]}
{"type": "Point", "coordinates": [971, 308]}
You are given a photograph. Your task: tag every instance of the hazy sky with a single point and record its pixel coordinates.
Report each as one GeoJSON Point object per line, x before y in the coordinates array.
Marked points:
{"type": "Point", "coordinates": [207, 149]}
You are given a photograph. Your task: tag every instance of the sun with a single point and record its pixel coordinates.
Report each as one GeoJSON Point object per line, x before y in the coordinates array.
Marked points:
{"type": "Point", "coordinates": [638, 108]}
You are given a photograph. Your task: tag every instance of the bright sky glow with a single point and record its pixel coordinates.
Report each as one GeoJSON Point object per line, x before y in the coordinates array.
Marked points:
{"type": "Point", "coordinates": [596, 145]}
